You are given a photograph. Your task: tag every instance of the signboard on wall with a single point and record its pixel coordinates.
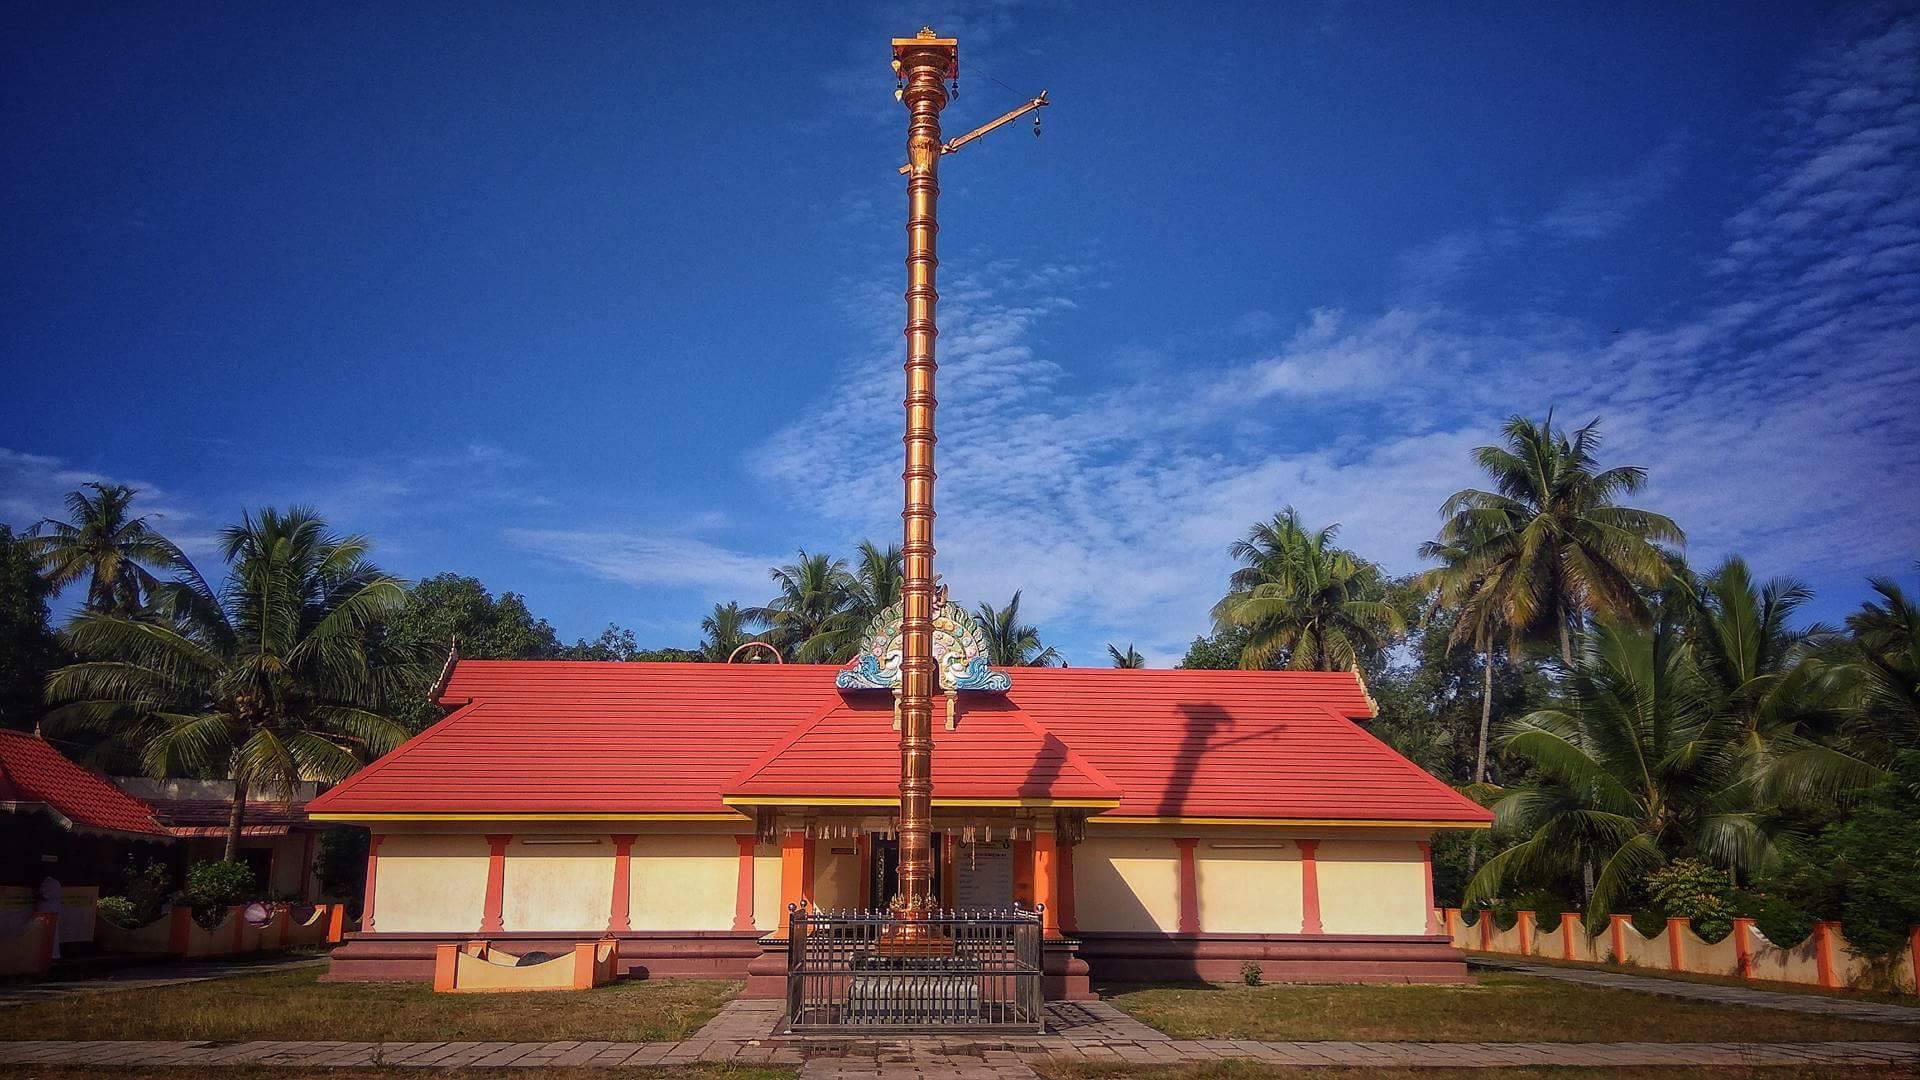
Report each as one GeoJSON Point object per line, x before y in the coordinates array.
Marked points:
{"type": "Point", "coordinates": [983, 876]}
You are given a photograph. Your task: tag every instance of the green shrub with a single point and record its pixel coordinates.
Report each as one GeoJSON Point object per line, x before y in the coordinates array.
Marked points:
{"type": "Point", "coordinates": [1690, 889]}
{"type": "Point", "coordinates": [144, 891]}
{"type": "Point", "coordinates": [1863, 870]}
{"type": "Point", "coordinates": [213, 886]}
{"type": "Point", "coordinates": [119, 911]}
{"type": "Point", "coordinates": [1250, 973]}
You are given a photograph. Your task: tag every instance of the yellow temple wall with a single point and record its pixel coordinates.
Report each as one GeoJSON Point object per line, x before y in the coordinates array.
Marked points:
{"type": "Point", "coordinates": [431, 883]}
{"type": "Point", "coordinates": [1127, 884]}
{"type": "Point", "coordinates": [768, 915]}
{"type": "Point", "coordinates": [551, 886]}
{"type": "Point", "coordinates": [683, 882]}
{"type": "Point", "coordinates": [1372, 886]}
{"type": "Point", "coordinates": [1248, 890]}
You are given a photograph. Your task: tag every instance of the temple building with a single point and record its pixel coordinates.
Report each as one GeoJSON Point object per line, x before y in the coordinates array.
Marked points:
{"type": "Point", "coordinates": [1170, 824]}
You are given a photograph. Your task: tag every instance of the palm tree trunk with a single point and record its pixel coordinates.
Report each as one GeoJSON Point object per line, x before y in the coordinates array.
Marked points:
{"type": "Point", "coordinates": [1566, 635]}
{"type": "Point", "coordinates": [1486, 718]}
{"type": "Point", "coordinates": [236, 821]}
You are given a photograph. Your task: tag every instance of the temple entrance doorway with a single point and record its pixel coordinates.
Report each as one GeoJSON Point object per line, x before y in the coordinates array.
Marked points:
{"type": "Point", "coordinates": [883, 867]}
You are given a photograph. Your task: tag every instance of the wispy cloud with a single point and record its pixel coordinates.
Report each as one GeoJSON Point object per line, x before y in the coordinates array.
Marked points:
{"type": "Point", "coordinates": [1776, 414]}
{"type": "Point", "coordinates": [644, 560]}
{"type": "Point", "coordinates": [1602, 208]}
{"type": "Point", "coordinates": [35, 486]}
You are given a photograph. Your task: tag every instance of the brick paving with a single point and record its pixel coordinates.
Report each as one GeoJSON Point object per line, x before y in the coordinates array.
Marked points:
{"type": "Point", "coordinates": [1812, 1004]}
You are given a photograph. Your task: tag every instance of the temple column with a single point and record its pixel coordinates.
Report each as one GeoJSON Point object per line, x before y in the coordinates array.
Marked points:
{"type": "Point", "coordinates": [490, 919]}
{"type": "Point", "coordinates": [619, 918]}
{"type": "Point", "coordinates": [1426, 857]}
{"type": "Point", "coordinates": [373, 868]}
{"type": "Point", "coordinates": [743, 885]}
{"type": "Point", "coordinates": [1189, 887]}
{"type": "Point", "coordinates": [796, 872]}
{"type": "Point", "coordinates": [1046, 882]}
{"type": "Point", "coordinates": [1309, 888]}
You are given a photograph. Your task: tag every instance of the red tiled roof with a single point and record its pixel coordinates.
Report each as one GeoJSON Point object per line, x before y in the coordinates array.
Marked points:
{"type": "Point", "coordinates": [580, 737]}
{"type": "Point", "coordinates": [851, 751]}
{"type": "Point", "coordinates": [36, 777]}
{"type": "Point", "coordinates": [178, 814]}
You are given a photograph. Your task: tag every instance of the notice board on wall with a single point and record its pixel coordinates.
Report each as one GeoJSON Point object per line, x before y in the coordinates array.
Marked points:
{"type": "Point", "coordinates": [983, 876]}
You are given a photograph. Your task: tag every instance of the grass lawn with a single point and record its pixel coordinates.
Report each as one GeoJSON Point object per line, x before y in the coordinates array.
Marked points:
{"type": "Point", "coordinates": [1246, 1070]}
{"type": "Point", "coordinates": [1496, 1007]}
{"type": "Point", "coordinates": [296, 1005]}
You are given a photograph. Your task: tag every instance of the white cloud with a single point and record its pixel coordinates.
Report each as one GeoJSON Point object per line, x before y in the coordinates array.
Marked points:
{"type": "Point", "coordinates": [644, 560]}
{"type": "Point", "coordinates": [1777, 422]}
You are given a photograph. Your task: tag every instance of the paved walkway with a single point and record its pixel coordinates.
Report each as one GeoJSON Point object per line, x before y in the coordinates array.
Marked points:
{"type": "Point", "coordinates": [954, 1058]}
{"type": "Point", "coordinates": [147, 976]}
{"type": "Point", "coordinates": [1839, 1008]}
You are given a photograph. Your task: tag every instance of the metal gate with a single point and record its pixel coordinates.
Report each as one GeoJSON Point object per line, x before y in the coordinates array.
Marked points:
{"type": "Point", "coordinates": [874, 971]}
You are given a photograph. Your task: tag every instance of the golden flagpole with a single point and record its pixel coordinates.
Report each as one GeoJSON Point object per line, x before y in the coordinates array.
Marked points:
{"type": "Point", "coordinates": [925, 64]}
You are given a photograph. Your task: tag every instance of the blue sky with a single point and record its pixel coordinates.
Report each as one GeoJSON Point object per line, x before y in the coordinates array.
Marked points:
{"type": "Point", "coordinates": [601, 303]}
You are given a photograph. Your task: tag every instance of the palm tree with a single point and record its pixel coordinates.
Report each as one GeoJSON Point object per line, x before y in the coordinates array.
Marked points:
{"type": "Point", "coordinates": [875, 586]}
{"type": "Point", "coordinates": [1638, 768]}
{"type": "Point", "coordinates": [1874, 677]}
{"type": "Point", "coordinates": [275, 679]}
{"type": "Point", "coordinates": [1462, 585]}
{"type": "Point", "coordinates": [1553, 532]}
{"type": "Point", "coordinates": [1129, 659]}
{"type": "Point", "coordinates": [1012, 643]}
{"type": "Point", "coordinates": [725, 630]}
{"type": "Point", "coordinates": [1301, 598]}
{"type": "Point", "coordinates": [814, 593]}
{"type": "Point", "coordinates": [101, 543]}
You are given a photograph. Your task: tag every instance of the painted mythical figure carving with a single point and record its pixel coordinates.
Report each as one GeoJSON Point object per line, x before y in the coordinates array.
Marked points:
{"type": "Point", "coordinates": [959, 653]}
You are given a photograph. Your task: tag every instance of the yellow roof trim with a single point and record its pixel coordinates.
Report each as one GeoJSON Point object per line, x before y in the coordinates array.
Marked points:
{"type": "Point", "coordinates": [845, 800]}
{"type": "Point", "coordinates": [521, 817]}
{"type": "Point", "coordinates": [1356, 823]}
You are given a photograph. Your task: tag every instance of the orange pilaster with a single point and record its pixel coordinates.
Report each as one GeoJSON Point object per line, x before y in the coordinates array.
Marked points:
{"type": "Point", "coordinates": [1743, 946]}
{"type": "Point", "coordinates": [1823, 953]}
{"type": "Point", "coordinates": [373, 868]}
{"type": "Point", "coordinates": [1677, 944]}
{"type": "Point", "coordinates": [1309, 888]}
{"type": "Point", "coordinates": [1567, 922]}
{"type": "Point", "coordinates": [1526, 924]}
{"type": "Point", "coordinates": [491, 921]}
{"type": "Point", "coordinates": [796, 873]}
{"type": "Point", "coordinates": [1189, 887]}
{"type": "Point", "coordinates": [446, 958]}
{"type": "Point", "coordinates": [1046, 882]}
{"type": "Point", "coordinates": [1617, 927]}
{"type": "Point", "coordinates": [743, 885]}
{"type": "Point", "coordinates": [1433, 915]}
{"type": "Point", "coordinates": [618, 918]}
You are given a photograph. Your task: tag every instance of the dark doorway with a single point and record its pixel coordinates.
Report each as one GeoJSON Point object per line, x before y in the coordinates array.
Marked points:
{"type": "Point", "coordinates": [883, 869]}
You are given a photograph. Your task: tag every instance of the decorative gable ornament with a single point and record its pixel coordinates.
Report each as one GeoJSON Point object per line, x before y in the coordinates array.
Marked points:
{"type": "Point", "coordinates": [959, 653]}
